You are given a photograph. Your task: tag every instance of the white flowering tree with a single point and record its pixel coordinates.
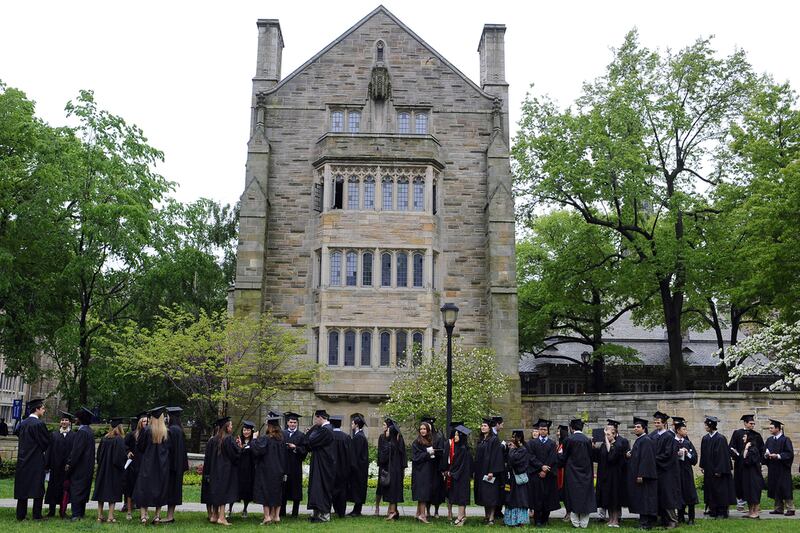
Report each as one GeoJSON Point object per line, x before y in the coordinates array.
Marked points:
{"type": "Point", "coordinates": [774, 349]}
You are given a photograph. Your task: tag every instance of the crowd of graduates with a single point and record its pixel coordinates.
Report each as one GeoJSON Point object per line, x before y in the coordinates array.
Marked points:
{"type": "Point", "coordinates": [515, 481]}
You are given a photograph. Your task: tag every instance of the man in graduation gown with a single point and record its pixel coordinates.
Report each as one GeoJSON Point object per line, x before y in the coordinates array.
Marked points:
{"type": "Point", "coordinates": [344, 465]}
{"type": "Point", "coordinates": [779, 455]}
{"type": "Point", "coordinates": [669, 481]}
{"type": "Point", "coordinates": [576, 457]}
{"type": "Point", "coordinates": [357, 485]}
{"type": "Point", "coordinates": [295, 445]}
{"type": "Point", "coordinates": [178, 462]}
{"type": "Point", "coordinates": [687, 458]}
{"type": "Point", "coordinates": [642, 476]}
{"type": "Point", "coordinates": [80, 465]}
{"type": "Point", "coordinates": [34, 440]}
{"type": "Point", "coordinates": [542, 473]}
{"type": "Point", "coordinates": [497, 428]}
{"type": "Point", "coordinates": [57, 455]}
{"type": "Point", "coordinates": [322, 445]}
{"type": "Point", "coordinates": [737, 448]}
{"type": "Point", "coordinates": [715, 462]}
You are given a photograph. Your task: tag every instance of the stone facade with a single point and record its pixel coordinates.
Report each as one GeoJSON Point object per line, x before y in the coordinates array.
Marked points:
{"type": "Point", "coordinates": [378, 188]}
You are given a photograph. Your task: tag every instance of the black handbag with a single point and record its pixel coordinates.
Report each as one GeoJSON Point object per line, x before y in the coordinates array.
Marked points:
{"type": "Point", "coordinates": [383, 477]}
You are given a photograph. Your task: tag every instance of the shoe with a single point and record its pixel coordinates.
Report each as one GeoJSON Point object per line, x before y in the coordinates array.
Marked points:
{"type": "Point", "coordinates": [423, 520]}
{"type": "Point", "coordinates": [790, 513]}
{"type": "Point", "coordinates": [353, 514]}
{"type": "Point", "coordinates": [774, 511]}
{"type": "Point", "coordinates": [690, 523]}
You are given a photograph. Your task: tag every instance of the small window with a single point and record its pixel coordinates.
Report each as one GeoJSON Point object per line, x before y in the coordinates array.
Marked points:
{"type": "Point", "coordinates": [434, 198]}
{"type": "Point", "coordinates": [333, 348]}
{"type": "Point", "coordinates": [416, 347]}
{"type": "Point", "coordinates": [350, 348]}
{"type": "Point", "coordinates": [419, 194]}
{"type": "Point", "coordinates": [336, 268]}
{"type": "Point", "coordinates": [402, 269]}
{"type": "Point", "coordinates": [421, 123]}
{"type": "Point", "coordinates": [352, 266]}
{"type": "Point", "coordinates": [386, 269]}
{"type": "Point", "coordinates": [379, 51]}
{"type": "Point", "coordinates": [403, 123]}
{"type": "Point", "coordinates": [337, 121]}
{"type": "Point", "coordinates": [366, 348]}
{"type": "Point", "coordinates": [418, 262]}
{"type": "Point", "coordinates": [388, 190]}
{"type": "Point", "coordinates": [386, 347]}
{"type": "Point", "coordinates": [369, 193]}
{"type": "Point", "coordinates": [338, 192]}
{"type": "Point", "coordinates": [402, 194]}
{"type": "Point", "coordinates": [366, 269]}
{"type": "Point", "coordinates": [352, 193]}
{"type": "Point", "coordinates": [353, 121]}
{"type": "Point", "coordinates": [400, 343]}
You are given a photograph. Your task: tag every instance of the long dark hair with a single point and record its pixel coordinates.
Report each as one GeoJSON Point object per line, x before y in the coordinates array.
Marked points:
{"type": "Point", "coordinates": [274, 432]}
{"type": "Point", "coordinates": [219, 436]}
{"type": "Point", "coordinates": [427, 440]}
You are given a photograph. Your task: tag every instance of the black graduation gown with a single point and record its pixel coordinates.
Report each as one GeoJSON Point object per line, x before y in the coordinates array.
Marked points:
{"type": "Point", "coordinates": [424, 469]}
{"type": "Point", "coordinates": [208, 466]}
{"type": "Point", "coordinates": [223, 481]}
{"type": "Point", "coordinates": [152, 482]}
{"type": "Point", "coordinates": [357, 484]}
{"type": "Point", "coordinates": [294, 474]}
{"type": "Point", "coordinates": [669, 480]}
{"type": "Point", "coordinates": [460, 474]}
{"type": "Point", "coordinates": [344, 465]}
{"type": "Point", "coordinates": [779, 471]}
{"type": "Point", "coordinates": [81, 465]}
{"type": "Point", "coordinates": [688, 490]}
{"type": "Point", "coordinates": [56, 457]}
{"type": "Point", "coordinates": [489, 459]}
{"type": "Point", "coordinates": [322, 472]}
{"type": "Point", "coordinates": [111, 458]}
{"type": "Point", "coordinates": [752, 479]}
{"type": "Point", "coordinates": [178, 464]}
{"type": "Point", "coordinates": [543, 492]}
{"type": "Point", "coordinates": [129, 481]}
{"type": "Point", "coordinates": [440, 443]}
{"type": "Point", "coordinates": [517, 497]}
{"type": "Point", "coordinates": [392, 456]}
{"type": "Point", "coordinates": [270, 465]}
{"type": "Point", "coordinates": [715, 460]}
{"type": "Point", "coordinates": [34, 440]}
{"type": "Point", "coordinates": [247, 476]}
{"type": "Point", "coordinates": [611, 478]}
{"type": "Point", "coordinates": [737, 447]}
{"type": "Point", "coordinates": [578, 474]}
{"type": "Point", "coordinates": [643, 497]}
{"type": "Point", "coordinates": [3, 429]}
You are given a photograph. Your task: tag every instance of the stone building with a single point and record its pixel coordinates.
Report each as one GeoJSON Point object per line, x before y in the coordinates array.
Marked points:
{"type": "Point", "coordinates": [377, 188]}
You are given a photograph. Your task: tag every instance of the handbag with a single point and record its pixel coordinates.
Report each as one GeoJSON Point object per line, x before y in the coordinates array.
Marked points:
{"type": "Point", "coordinates": [521, 479]}
{"type": "Point", "coordinates": [383, 477]}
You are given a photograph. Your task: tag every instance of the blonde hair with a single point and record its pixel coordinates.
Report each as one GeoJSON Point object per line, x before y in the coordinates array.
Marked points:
{"type": "Point", "coordinates": [158, 430]}
{"type": "Point", "coordinates": [115, 431]}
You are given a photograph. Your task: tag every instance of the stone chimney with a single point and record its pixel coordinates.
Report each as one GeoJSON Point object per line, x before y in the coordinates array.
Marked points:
{"type": "Point", "coordinates": [493, 56]}
{"type": "Point", "coordinates": [270, 50]}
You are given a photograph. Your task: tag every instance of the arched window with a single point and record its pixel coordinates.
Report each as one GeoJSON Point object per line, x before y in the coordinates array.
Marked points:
{"type": "Point", "coordinates": [353, 121]}
{"type": "Point", "coordinates": [351, 267]}
{"type": "Point", "coordinates": [337, 121]}
{"type": "Point", "coordinates": [350, 348]}
{"type": "Point", "coordinates": [419, 194]}
{"type": "Point", "coordinates": [386, 269]}
{"type": "Point", "coordinates": [333, 348]}
{"type": "Point", "coordinates": [366, 348]}
{"type": "Point", "coordinates": [421, 123]}
{"type": "Point", "coordinates": [416, 347]}
{"type": "Point", "coordinates": [379, 51]}
{"type": "Point", "coordinates": [400, 343]}
{"type": "Point", "coordinates": [366, 269]}
{"type": "Point", "coordinates": [402, 269]}
{"type": "Point", "coordinates": [336, 268]}
{"type": "Point", "coordinates": [352, 193]}
{"type": "Point", "coordinates": [402, 194]}
{"type": "Point", "coordinates": [388, 190]}
{"type": "Point", "coordinates": [418, 262]}
{"type": "Point", "coordinates": [403, 123]}
{"type": "Point", "coordinates": [386, 341]}
{"type": "Point", "coordinates": [338, 192]}
{"type": "Point", "coordinates": [369, 192]}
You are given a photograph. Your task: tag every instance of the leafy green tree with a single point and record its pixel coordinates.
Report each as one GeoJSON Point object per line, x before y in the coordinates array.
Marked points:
{"type": "Point", "coordinates": [420, 390]}
{"type": "Point", "coordinates": [639, 155]}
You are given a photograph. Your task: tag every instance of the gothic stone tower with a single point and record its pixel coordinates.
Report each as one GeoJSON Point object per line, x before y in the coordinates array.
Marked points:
{"type": "Point", "coordinates": [378, 188]}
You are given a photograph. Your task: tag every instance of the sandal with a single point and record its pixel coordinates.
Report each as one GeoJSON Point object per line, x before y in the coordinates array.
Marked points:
{"type": "Point", "coordinates": [112, 521]}
{"type": "Point", "coordinates": [143, 521]}
{"type": "Point", "coordinates": [460, 521]}
{"type": "Point", "coordinates": [129, 517]}
{"type": "Point", "coordinates": [156, 521]}
{"type": "Point", "coordinates": [101, 519]}
{"type": "Point", "coordinates": [423, 519]}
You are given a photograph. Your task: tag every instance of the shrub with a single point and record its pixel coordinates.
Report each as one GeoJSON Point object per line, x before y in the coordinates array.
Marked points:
{"type": "Point", "coordinates": [8, 468]}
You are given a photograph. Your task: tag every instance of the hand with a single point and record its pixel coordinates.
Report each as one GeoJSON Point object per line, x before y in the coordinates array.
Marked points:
{"type": "Point", "coordinates": [66, 468]}
{"type": "Point", "coordinates": [291, 446]}
{"type": "Point", "coordinates": [429, 449]}
{"type": "Point", "coordinates": [255, 434]}
{"type": "Point", "coordinates": [597, 444]}
{"type": "Point", "coordinates": [238, 442]}
{"type": "Point", "coordinates": [490, 476]}
{"type": "Point", "coordinates": [130, 455]}
{"type": "Point", "coordinates": [542, 474]}
{"type": "Point", "coordinates": [639, 480]}
{"type": "Point", "coordinates": [717, 475]}
{"type": "Point", "coordinates": [545, 468]}
{"type": "Point", "coordinates": [628, 454]}
{"type": "Point", "coordinates": [387, 433]}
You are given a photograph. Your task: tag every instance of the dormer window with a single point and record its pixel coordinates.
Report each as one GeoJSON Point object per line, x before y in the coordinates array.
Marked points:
{"type": "Point", "coordinates": [414, 121]}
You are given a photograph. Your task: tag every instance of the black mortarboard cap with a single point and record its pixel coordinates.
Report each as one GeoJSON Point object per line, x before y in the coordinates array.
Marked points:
{"type": "Point", "coordinates": [488, 420]}
{"type": "Point", "coordinates": [562, 427]}
{"type": "Point", "coordinates": [520, 433]}
{"type": "Point", "coordinates": [156, 412]}
{"type": "Point", "coordinates": [289, 415]}
{"type": "Point", "coordinates": [678, 425]}
{"type": "Point", "coordinates": [85, 416]}
{"type": "Point", "coordinates": [612, 422]}
{"type": "Point", "coordinates": [455, 424]}
{"type": "Point", "coordinates": [35, 403]}
{"type": "Point", "coordinates": [428, 419]}
{"type": "Point", "coordinates": [748, 418]}
{"type": "Point", "coordinates": [336, 421]}
{"type": "Point", "coordinates": [576, 423]}
{"type": "Point", "coordinates": [712, 420]}
{"type": "Point", "coordinates": [543, 423]}
{"type": "Point", "coordinates": [389, 422]}
{"type": "Point", "coordinates": [142, 414]}
{"type": "Point", "coordinates": [115, 421]}
{"type": "Point", "coordinates": [249, 424]}
{"type": "Point", "coordinates": [222, 421]}
{"type": "Point", "coordinates": [640, 421]}
{"type": "Point", "coordinates": [65, 414]}
{"type": "Point", "coordinates": [274, 413]}
{"type": "Point", "coordinates": [175, 409]}
{"type": "Point", "coordinates": [497, 419]}
{"type": "Point", "coordinates": [463, 430]}
{"type": "Point", "coordinates": [661, 416]}
{"type": "Point", "coordinates": [322, 412]}
{"type": "Point", "coordinates": [776, 423]}
{"type": "Point", "coordinates": [678, 420]}
{"type": "Point", "coordinates": [274, 421]}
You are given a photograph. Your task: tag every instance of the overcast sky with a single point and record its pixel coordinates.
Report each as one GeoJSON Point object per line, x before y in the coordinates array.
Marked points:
{"type": "Point", "coordinates": [182, 70]}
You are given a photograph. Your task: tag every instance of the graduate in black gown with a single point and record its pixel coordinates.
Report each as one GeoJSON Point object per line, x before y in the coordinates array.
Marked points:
{"type": "Point", "coordinates": [56, 458]}
{"type": "Point", "coordinates": [270, 456]}
{"type": "Point", "coordinates": [357, 485]}
{"type": "Point", "coordinates": [669, 482]}
{"type": "Point", "coordinates": [517, 501]}
{"type": "Point", "coordinates": [246, 466]}
{"type": "Point", "coordinates": [322, 475]}
{"type": "Point", "coordinates": [344, 466]}
{"type": "Point", "coordinates": [178, 462]}
{"type": "Point", "coordinates": [132, 472]}
{"type": "Point", "coordinates": [208, 464]}
{"type": "Point", "coordinates": [459, 472]}
{"type": "Point", "coordinates": [576, 456]}
{"type": "Point", "coordinates": [610, 456]}
{"type": "Point", "coordinates": [489, 471]}
{"type": "Point", "coordinates": [392, 457]}
{"type": "Point", "coordinates": [737, 446]}
{"type": "Point", "coordinates": [642, 476]}
{"type": "Point", "coordinates": [439, 440]}
{"type": "Point", "coordinates": [424, 468]}
{"type": "Point", "coordinates": [152, 483]}
{"type": "Point", "coordinates": [34, 439]}
{"type": "Point", "coordinates": [542, 473]}
{"type": "Point", "coordinates": [687, 458]}
{"type": "Point", "coordinates": [80, 465]}
{"type": "Point", "coordinates": [779, 455]}
{"type": "Point", "coordinates": [752, 479]}
{"type": "Point", "coordinates": [715, 462]}
{"type": "Point", "coordinates": [3, 428]}
{"type": "Point", "coordinates": [295, 446]}
{"type": "Point", "coordinates": [111, 458]}
{"type": "Point", "coordinates": [223, 474]}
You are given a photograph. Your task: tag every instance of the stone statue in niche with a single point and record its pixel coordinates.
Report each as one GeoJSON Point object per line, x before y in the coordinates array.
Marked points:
{"type": "Point", "coordinates": [380, 86]}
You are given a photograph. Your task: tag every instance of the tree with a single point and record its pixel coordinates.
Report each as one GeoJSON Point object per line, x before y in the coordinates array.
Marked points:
{"type": "Point", "coordinates": [420, 390]}
{"type": "Point", "coordinates": [574, 284]}
{"type": "Point", "coordinates": [773, 350]}
{"type": "Point", "coordinates": [633, 158]}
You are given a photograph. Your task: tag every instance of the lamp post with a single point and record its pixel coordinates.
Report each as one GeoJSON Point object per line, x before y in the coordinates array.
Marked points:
{"type": "Point", "coordinates": [449, 316]}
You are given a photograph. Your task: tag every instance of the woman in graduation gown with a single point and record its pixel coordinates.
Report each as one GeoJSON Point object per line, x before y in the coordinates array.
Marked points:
{"type": "Point", "coordinates": [111, 458]}
{"type": "Point", "coordinates": [132, 472]}
{"type": "Point", "coordinates": [517, 501]}
{"type": "Point", "coordinates": [55, 458]}
{"type": "Point", "coordinates": [357, 485]}
{"type": "Point", "coordinates": [270, 462]}
{"type": "Point", "coordinates": [715, 461]}
{"type": "Point", "coordinates": [424, 466]}
{"type": "Point", "coordinates": [152, 483]}
{"type": "Point", "coordinates": [208, 459]}
{"type": "Point", "coordinates": [246, 466]}
{"type": "Point", "coordinates": [459, 474]}
{"type": "Point", "coordinates": [223, 480]}
{"type": "Point", "coordinates": [610, 458]}
{"type": "Point", "coordinates": [542, 473]}
{"type": "Point", "coordinates": [178, 462]}
{"type": "Point", "coordinates": [489, 464]}
{"type": "Point", "coordinates": [392, 458]}
{"type": "Point", "coordinates": [752, 479]}
{"type": "Point", "coordinates": [687, 458]}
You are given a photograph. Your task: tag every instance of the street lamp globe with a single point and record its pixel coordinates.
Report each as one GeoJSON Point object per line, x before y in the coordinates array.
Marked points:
{"type": "Point", "coordinates": [449, 314]}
